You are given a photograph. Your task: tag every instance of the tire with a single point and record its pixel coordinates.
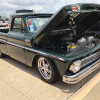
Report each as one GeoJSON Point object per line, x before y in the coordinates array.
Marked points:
{"type": "Point", "coordinates": [47, 70]}
{"type": "Point", "coordinates": [1, 54]}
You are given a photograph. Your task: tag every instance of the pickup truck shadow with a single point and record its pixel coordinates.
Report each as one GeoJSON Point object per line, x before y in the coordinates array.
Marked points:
{"type": "Point", "coordinates": [64, 87]}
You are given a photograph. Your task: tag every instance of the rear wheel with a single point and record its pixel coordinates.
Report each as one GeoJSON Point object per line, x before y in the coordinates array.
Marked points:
{"type": "Point", "coordinates": [47, 70]}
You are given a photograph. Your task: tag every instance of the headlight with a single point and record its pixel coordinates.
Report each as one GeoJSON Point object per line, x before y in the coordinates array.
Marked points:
{"type": "Point", "coordinates": [75, 67]}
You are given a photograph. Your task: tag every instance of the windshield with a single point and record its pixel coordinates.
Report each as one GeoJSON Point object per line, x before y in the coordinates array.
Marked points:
{"type": "Point", "coordinates": [34, 24]}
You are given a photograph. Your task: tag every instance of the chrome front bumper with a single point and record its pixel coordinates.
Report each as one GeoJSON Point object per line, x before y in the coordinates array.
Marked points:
{"type": "Point", "coordinates": [82, 74]}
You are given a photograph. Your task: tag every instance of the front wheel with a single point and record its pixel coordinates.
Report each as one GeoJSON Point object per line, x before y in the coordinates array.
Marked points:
{"type": "Point", "coordinates": [47, 70]}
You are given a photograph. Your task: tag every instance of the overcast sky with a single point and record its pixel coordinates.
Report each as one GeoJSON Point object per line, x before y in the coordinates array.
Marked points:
{"type": "Point", "coordinates": [8, 7]}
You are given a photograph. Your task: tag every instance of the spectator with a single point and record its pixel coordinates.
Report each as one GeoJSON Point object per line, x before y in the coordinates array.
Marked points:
{"type": "Point", "coordinates": [29, 23]}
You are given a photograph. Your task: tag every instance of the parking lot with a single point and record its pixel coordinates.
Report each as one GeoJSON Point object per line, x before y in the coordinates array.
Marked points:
{"type": "Point", "coordinates": [20, 82]}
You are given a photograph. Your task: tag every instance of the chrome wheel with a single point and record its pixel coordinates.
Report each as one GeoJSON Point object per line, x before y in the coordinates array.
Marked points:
{"type": "Point", "coordinates": [44, 68]}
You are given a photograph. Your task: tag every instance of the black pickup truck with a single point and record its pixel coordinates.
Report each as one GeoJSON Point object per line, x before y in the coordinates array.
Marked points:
{"type": "Point", "coordinates": [66, 43]}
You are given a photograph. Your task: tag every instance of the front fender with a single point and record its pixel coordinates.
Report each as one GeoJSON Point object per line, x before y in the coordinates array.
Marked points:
{"type": "Point", "coordinates": [60, 65]}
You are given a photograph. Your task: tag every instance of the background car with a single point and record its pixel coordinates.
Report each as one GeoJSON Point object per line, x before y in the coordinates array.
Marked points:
{"type": "Point", "coordinates": [6, 23]}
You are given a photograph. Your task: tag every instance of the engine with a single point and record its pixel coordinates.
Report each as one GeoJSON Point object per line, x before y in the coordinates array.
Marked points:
{"type": "Point", "coordinates": [68, 42]}
{"type": "Point", "coordinates": [82, 44]}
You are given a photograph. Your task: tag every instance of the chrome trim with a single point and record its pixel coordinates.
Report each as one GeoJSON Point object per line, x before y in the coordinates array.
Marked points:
{"type": "Point", "coordinates": [44, 54]}
{"type": "Point", "coordinates": [4, 41]}
{"type": "Point", "coordinates": [82, 74]}
{"type": "Point", "coordinates": [13, 44]}
{"type": "Point", "coordinates": [90, 59]}
{"type": "Point", "coordinates": [31, 49]}
{"type": "Point", "coordinates": [34, 50]}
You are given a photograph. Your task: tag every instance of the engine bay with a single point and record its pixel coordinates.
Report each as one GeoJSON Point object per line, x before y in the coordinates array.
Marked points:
{"type": "Point", "coordinates": [73, 34]}
{"type": "Point", "coordinates": [67, 41]}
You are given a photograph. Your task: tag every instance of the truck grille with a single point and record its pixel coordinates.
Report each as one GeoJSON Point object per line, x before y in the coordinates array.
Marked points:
{"type": "Point", "coordinates": [90, 59]}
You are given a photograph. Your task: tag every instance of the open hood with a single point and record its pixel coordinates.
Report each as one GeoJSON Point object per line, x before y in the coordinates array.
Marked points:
{"type": "Point", "coordinates": [78, 14]}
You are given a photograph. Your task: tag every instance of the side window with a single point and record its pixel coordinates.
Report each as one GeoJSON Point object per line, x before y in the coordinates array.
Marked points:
{"type": "Point", "coordinates": [18, 25]}
{"type": "Point", "coordinates": [32, 24]}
